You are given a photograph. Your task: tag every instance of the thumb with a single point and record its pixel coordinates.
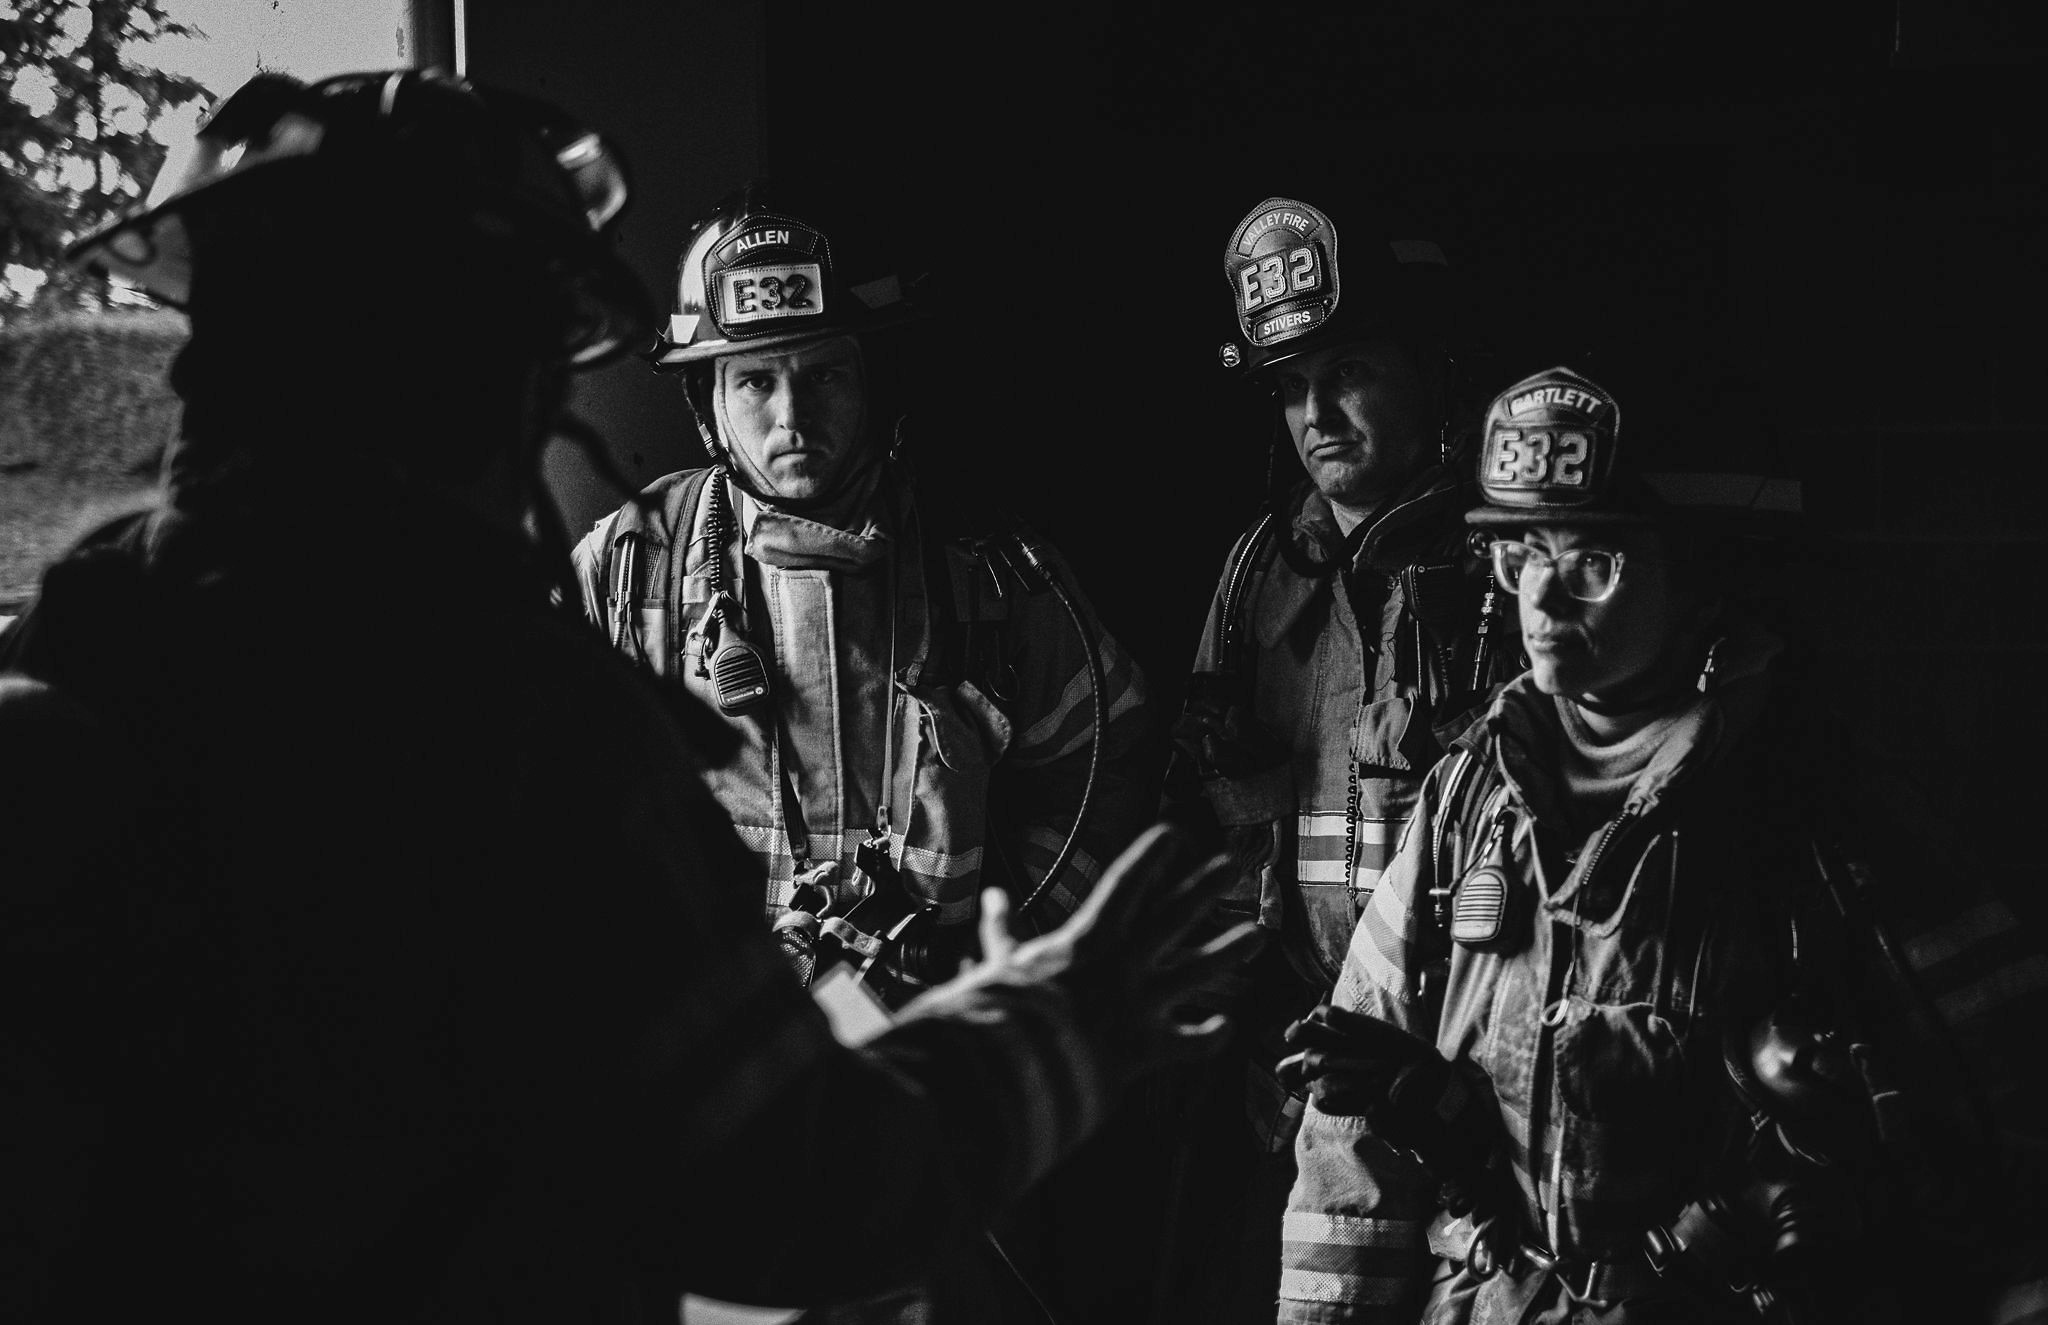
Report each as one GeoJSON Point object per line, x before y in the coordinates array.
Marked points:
{"type": "Point", "coordinates": [997, 941]}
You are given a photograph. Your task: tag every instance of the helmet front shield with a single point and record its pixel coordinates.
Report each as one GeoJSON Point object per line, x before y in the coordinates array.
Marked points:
{"type": "Point", "coordinates": [756, 276]}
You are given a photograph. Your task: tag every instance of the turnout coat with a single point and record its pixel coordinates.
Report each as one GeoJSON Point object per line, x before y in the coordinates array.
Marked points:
{"type": "Point", "coordinates": [911, 667]}
{"type": "Point", "coordinates": [1595, 1022]}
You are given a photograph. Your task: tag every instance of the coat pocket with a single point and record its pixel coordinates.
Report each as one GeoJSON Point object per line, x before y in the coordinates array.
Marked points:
{"type": "Point", "coordinates": [1616, 1062]}
{"type": "Point", "coordinates": [960, 735]}
{"type": "Point", "coordinates": [964, 730]}
{"type": "Point", "coordinates": [1380, 738]}
{"type": "Point", "coordinates": [1627, 1128]}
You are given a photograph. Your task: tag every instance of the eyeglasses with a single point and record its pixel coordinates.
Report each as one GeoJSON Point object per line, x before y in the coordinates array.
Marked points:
{"type": "Point", "coordinates": [1588, 574]}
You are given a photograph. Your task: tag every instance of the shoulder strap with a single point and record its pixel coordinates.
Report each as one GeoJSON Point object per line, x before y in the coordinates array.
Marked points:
{"type": "Point", "coordinates": [638, 533]}
{"type": "Point", "coordinates": [1454, 806]}
{"type": "Point", "coordinates": [1459, 806]}
{"type": "Point", "coordinates": [972, 581]}
{"type": "Point", "coordinates": [1235, 578]}
{"type": "Point", "coordinates": [687, 496]}
{"type": "Point", "coordinates": [946, 590]}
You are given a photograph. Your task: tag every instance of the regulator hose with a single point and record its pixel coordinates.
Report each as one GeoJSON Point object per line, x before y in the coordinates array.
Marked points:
{"type": "Point", "coordinates": [1098, 706]}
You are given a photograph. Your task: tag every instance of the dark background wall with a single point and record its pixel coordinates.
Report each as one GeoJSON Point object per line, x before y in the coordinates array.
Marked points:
{"type": "Point", "coordinates": [679, 88]}
{"type": "Point", "coordinates": [1811, 239]}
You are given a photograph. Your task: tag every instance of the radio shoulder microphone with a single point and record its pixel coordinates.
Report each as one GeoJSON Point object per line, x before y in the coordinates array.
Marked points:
{"type": "Point", "coordinates": [739, 674]}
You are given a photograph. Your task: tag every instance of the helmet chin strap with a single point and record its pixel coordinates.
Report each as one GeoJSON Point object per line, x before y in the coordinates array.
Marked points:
{"type": "Point", "coordinates": [1676, 680]}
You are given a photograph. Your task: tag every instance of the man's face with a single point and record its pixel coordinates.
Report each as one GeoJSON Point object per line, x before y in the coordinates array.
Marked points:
{"type": "Point", "coordinates": [795, 416]}
{"type": "Point", "coordinates": [1358, 416]}
{"type": "Point", "coordinates": [1598, 650]}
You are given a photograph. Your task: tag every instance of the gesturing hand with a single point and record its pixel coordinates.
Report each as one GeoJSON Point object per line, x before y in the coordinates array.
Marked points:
{"type": "Point", "coordinates": [1132, 953]}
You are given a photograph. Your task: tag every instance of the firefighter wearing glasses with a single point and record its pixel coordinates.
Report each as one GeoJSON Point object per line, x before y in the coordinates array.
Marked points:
{"type": "Point", "coordinates": [1628, 1032]}
{"type": "Point", "coordinates": [392, 963]}
{"type": "Point", "coordinates": [1350, 623]}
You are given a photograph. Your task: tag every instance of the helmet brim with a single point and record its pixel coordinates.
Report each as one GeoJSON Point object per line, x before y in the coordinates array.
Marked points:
{"type": "Point", "coordinates": [612, 311]}
{"type": "Point", "coordinates": [667, 356]}
{"type": "Point", "coordinates": [1524, 517]}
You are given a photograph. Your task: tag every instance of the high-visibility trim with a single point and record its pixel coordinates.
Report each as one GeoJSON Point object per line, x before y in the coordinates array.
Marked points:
{"type": "Point", "coordinates": [1072, 696]}
{"type": "Point", "coordinates": [940, 864]}
{"type": "Point", "coordinates": [945, 877]}
{"type": "Point", "coordinates": [2022, 977]}
{"type": "Point", "coordinates": [1990, 920]}
{"type": "Point", "coordinates": [1324, 1286]}
{"type": "Point", "coordinates": [1319, 849]}
{"type": "Point", "coordinates": [1350, 1230]}
{"type": "Point", "coordinates": [1378, 832]}
{"type": "Point", "coordinates": [760, 839]}
{"type": "Point", "coordinates": [1381, 961]}
{"type": "Point", "coordinates": [1041, 845]}
{"type": "Point", "coordinates": [1050, 840]}
{"type": "Point", "coordinates": [1037, 746]}
{"type": "Point", "coordinates": [1363, 877]}
{"type": "Point", "coordinates": [2022, 1304]}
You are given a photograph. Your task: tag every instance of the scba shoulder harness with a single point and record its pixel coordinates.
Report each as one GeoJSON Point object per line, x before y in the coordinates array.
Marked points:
{"type": "Point", "coordinates": [1829, 1157]}
{"type": "Point", "coordinates": [971, 580]}
{"type": "Point", "coordinates": [1439, 602]}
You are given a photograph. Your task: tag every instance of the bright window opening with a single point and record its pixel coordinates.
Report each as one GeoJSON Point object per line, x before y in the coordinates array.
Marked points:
{"type": "Point", "coordinates": [90, 95]}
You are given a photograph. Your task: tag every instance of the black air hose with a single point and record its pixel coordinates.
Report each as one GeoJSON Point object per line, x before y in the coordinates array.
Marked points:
{"type": "Point", "coordinates": [1099, 706]}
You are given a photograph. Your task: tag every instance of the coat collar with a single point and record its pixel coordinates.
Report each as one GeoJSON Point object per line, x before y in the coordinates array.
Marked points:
{"type": "Point", "coordinates": [1409, 527]}
{"type": "Point", "coordinates": [1418, 526]}
{"type": "Point", "coordinates": [1523, 728]}
{"type": "Point", "coordinates": [793, 542]}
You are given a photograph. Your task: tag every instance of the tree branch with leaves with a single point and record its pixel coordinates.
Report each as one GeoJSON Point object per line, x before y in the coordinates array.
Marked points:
{"type": "Point", "coordinates": [76, 109]}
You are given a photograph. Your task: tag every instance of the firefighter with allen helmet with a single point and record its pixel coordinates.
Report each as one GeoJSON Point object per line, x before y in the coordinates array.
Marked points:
{"type": "Point", "coordinates": [924, 704]}
{"type": "Point", "coordinates": [1350, 624]}
{"type": "Point", "coordinates": [1636, 1027]}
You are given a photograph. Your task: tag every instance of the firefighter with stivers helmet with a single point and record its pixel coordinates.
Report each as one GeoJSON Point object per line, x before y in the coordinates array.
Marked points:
{"type": "Point", "coordinates": [1635, 1028]}
{"type": "Point", "coordinates": [1351, 622]}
